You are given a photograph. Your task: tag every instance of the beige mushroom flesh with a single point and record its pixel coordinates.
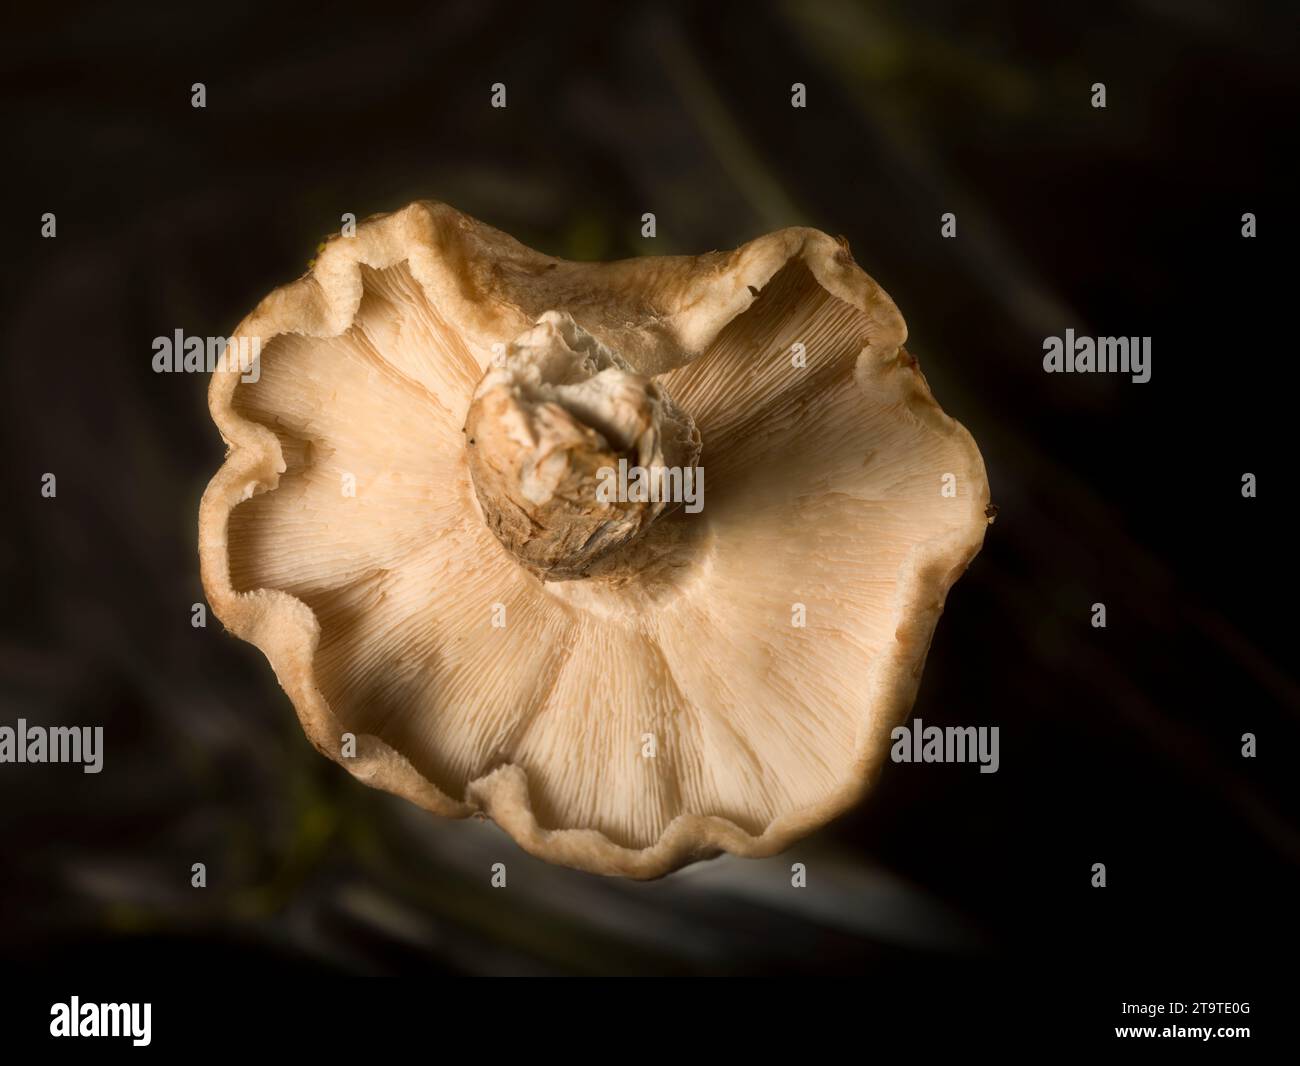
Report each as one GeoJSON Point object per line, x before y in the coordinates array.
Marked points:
{"type": "Point", "coordinates": [640, 559]}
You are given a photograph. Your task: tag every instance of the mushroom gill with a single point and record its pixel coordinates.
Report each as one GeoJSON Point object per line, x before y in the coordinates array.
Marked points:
{"type": "Point", "coordinates": [407, 525]}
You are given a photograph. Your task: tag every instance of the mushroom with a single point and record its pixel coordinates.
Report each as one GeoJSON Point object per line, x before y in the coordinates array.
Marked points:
{"type": "Point", "coordinates": [415, 523]}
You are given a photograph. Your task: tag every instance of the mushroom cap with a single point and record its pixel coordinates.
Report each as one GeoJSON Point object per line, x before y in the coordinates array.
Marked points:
{"type": "Point", "coordinates": [376, 610]}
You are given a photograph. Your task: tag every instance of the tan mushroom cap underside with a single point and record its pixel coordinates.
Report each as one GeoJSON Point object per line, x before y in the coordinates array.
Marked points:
{"type": "Point", "coordinates": [823, 487]}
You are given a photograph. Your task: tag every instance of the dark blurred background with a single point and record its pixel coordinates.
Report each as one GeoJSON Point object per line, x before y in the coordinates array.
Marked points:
{"type": "Point", "coordinates": [1119, 745]}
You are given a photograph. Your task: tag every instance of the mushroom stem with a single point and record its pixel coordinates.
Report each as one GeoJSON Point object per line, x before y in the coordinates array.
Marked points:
{"type": "Point", "coordinates": [548, 425]}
